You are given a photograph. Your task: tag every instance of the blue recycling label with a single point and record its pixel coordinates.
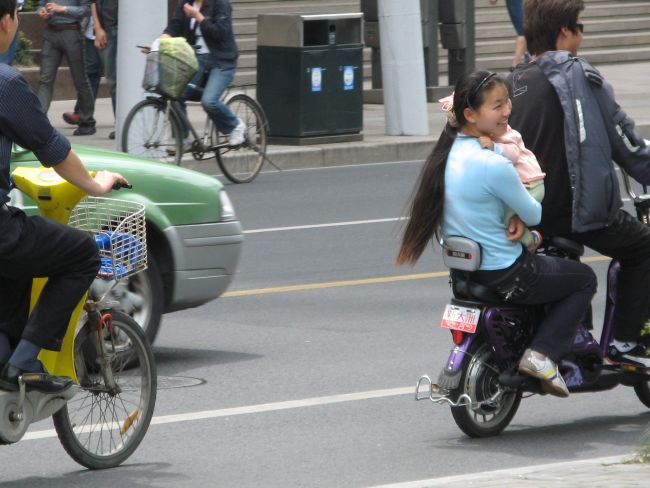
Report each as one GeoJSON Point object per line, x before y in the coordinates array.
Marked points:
{"type": "Point", "coordinates": [348, 78]}
{"type": "Point", "coordinates": [317, 79]}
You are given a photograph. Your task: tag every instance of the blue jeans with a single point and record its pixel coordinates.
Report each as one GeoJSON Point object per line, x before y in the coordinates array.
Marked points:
{"type": "Point", "coordinates": [218, 81]}
{"type": "Point", "coordinates": [567, 288]}
{"type": "Point", "coordinates": [516, 12]}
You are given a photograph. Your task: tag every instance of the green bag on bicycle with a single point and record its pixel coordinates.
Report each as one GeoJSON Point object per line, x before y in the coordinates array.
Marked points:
{"type": "Point", "coordinates": [171, 67]}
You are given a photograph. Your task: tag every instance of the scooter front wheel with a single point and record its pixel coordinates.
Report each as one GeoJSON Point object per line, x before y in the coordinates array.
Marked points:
{"type": "Point", "coordinates": [106, 421]}
{"type": "Point", "coordinates": [480, 382]}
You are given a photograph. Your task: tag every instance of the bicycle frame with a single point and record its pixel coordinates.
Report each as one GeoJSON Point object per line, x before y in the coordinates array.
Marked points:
{"type": "Point", "coordinates": [175, 107]}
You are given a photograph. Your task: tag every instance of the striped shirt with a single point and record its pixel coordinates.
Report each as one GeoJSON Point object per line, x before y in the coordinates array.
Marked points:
{"type": "Point", "coordinates": [76, 11]}
{"type": "Point", "coordinates": [23, 121]}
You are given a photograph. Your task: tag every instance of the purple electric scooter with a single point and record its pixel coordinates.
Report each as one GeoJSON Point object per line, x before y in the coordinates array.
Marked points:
{"type": "Point", "coordinates": [480, 380]}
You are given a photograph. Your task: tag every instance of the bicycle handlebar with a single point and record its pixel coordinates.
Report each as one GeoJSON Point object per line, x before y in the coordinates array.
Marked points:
{"type": "Point", "coordinates": [119, 185]}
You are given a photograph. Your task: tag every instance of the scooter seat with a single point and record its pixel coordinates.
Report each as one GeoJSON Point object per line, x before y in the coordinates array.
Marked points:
{"type": "Point", "coordinates": [466, 289]}
{"type": "Point", "coordinates": [566, 247]}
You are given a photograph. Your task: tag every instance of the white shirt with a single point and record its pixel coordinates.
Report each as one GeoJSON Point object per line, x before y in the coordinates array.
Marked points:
{"type": "Point", "coordinates": [203, 47]}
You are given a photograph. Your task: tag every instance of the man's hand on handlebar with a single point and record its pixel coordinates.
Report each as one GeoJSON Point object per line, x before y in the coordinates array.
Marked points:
{"type": "Point", "coordinates": [108, 181]}
{"type": "Point", "coordinates": [516, 229]}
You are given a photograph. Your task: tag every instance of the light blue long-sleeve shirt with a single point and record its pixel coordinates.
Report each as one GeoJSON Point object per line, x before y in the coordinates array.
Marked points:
{"type": "Point", "coordinates": [479, 186]}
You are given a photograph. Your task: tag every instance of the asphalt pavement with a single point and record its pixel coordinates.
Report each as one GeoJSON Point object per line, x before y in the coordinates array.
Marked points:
{"type": "Point", "coordinates": [303, 374]}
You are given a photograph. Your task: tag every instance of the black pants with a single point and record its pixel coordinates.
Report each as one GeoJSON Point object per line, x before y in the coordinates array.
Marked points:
{"type": "Point", "coordinates": [36, 247]}
{"type": "Point", "coordinates": [628, 241]}
{"type": "Point", "coordinates": [566, 286]}
{"type": "Point", "coordinates": [68, 43]}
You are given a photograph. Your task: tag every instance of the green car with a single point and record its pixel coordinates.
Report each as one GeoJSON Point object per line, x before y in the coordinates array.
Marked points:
{"type": "Point", "coordinates": [194, 239]}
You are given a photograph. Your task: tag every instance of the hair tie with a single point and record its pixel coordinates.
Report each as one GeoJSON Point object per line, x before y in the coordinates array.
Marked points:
{"type": "Point", "coordinates": [447, 105]}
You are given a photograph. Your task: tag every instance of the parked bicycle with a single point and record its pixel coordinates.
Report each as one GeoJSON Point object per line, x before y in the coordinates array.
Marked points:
{"type": "Point", "coordinates": [102, 418]}
{"type": "Point", "coordinates": [154, 129]}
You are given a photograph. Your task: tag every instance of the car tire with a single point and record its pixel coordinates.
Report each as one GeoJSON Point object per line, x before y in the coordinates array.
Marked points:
{"type": "Point", "coordinates": [141, 297]}
{"type": "Point", "coordinates": [149, 286]}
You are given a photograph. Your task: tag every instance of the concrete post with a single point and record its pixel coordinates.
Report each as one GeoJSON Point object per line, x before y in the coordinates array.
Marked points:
{"type": "Point", "coordinates": [405, 98]}
{"type": "Point", "coordinates": [139, 23]}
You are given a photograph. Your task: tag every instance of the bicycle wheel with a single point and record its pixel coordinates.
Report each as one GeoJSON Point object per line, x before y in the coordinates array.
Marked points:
{"type": "Point", "coordinates": [102, 426]}
{"type": "Point", "coordinates": [150, 133]}
{"type": "Point", "coordinates": [241, 164]}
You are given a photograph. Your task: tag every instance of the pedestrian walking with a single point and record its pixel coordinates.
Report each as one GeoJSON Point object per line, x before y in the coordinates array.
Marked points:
{"type": "Point", "coordinates": [104, 15]}
{"type": "Point", "coordinates": [94, 70]}
{"type": "Point", "coordinates": [63, 37]}
{"type": "Point", "coordinates": [516, 12]}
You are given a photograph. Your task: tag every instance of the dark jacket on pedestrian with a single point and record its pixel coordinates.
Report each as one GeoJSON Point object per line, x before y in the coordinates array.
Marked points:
{"type": "Point", "coordinates": [216, 29]}
{"type": "Point", "coordinates": [596, 130]}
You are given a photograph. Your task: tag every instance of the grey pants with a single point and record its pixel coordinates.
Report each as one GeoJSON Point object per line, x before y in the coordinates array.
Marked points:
{"type": "Point", "coordinates": [68, 43]}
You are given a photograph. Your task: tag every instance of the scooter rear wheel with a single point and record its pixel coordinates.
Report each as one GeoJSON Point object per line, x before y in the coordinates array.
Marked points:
{"type": "Point", "coordinates": [480, 381]}
{"type": "Point", "coordinates": [101, 426]}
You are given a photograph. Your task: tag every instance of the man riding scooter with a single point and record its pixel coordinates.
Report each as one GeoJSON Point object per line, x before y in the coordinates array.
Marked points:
{"type": "Point", "coordinates": [32, 246]}
{"type": "Point", "coordinates": [568, 117]}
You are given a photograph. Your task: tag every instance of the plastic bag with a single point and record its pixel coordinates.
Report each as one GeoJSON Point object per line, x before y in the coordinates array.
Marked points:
{"type": "Point", "coordinates": [170, 68]}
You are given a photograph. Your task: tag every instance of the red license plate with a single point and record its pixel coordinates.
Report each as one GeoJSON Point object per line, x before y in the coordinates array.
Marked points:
{"type": "Point", "coordinates": [464, 319]}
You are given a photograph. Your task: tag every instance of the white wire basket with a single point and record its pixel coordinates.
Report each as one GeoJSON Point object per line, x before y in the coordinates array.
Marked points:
{"type": "Point", "coordinates": [120, 230]}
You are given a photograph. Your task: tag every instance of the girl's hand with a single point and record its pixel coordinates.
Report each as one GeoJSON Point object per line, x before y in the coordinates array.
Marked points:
{"type": "Point", "coordinates": [190, 10]}
{"type": "Point", "coordinates": [486, 143]}
{"type": "Point", "coordinates": [493, 2]}
{"type": "Point", "coordinates": [516, 229]}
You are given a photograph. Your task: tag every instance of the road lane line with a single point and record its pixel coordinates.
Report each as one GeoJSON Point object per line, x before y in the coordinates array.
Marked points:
{"type": "Point", "coordinates": [321, 226]}
{"type": "Point", "coordinates": [503, 476]}
{"type": "Point", "coordinates": [366, 281]}
{"type": "Point", "coordinates": [259, 408]}
{"type": "Point", "coordinates": [334, 284]}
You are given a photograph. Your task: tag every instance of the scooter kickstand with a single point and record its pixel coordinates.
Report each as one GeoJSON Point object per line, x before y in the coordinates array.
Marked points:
{"type": "Point", "coordinates": [19, 414]}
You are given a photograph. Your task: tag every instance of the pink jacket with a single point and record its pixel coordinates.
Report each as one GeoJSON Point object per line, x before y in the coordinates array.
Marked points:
{"type": "Point", "coordinates": [512, 147]}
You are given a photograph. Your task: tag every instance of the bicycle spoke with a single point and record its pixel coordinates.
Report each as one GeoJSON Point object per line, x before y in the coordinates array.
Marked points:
{"type": "Point", "coordinates": [107, 425]}
{"type": "Point", "coordinates": [242, 163]}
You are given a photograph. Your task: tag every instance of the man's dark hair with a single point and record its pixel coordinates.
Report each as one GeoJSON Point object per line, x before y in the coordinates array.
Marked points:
{"type": "Point", "coordinates": [7, 7]}
{"type": "Point", "coordinates": [544, 19]}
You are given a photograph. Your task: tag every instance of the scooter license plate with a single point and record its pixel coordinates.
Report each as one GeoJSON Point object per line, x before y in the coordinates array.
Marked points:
{"type": "Point", "coordinates": [464, 319]}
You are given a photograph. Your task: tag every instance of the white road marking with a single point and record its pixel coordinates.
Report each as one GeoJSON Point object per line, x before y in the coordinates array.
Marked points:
{"type": "Point", "coordinates": [260, 408]}
{"type": "Point", "coordinates": [320, 226]}
{"type": "Point", "coordinates": [503, 474]}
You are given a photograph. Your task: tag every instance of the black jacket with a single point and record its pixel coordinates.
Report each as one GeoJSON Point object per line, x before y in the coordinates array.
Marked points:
{"type": "Point", "coordinates": [596, 131]}
{"type": "Point", "coordinates": [216, 28]}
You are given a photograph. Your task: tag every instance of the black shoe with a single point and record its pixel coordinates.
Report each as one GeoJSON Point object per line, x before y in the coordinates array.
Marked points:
{"type": "Point", "coordinates": [635, 357]}
{"type": "Point", "coordinates": [43, 382]}
{"type": "Point", "coordinates": [111, 136]}
{"type": "Point", "coordinates": [84, 130]}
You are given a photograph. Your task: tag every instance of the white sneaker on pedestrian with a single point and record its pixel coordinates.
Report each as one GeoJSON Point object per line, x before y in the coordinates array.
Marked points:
{"type": "Point", "coordinates": [546, 370]}
{"type": "Point", "coordinates": [236, 137]}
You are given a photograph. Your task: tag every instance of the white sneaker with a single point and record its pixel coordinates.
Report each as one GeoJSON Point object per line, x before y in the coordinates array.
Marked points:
{"type": "Point", "coordinates": [546, 370]}
{"type": "Point", "coordinates": [236, 137]}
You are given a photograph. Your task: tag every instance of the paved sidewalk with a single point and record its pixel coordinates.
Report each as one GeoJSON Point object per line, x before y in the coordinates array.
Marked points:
{"type": "Point", "coordinates": [629, 80]}
{"type": "Point", "coordinates": [594, 473]}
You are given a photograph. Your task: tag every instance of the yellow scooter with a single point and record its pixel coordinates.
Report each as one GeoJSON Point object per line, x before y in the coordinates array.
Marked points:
{"type": "Point", "coordinates": [104, 416]}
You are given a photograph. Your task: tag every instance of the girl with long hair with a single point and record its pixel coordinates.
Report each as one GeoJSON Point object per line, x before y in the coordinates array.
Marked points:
{"type": "Point", "coordinates": [465, 190]}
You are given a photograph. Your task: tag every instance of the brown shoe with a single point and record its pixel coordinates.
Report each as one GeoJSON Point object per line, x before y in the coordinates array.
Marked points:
{"type": "Point", "coordinates": [71, 118]}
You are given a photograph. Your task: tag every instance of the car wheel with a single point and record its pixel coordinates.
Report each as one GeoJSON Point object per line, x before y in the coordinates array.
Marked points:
{"type": "Point", "coordinates": [140, 296]}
